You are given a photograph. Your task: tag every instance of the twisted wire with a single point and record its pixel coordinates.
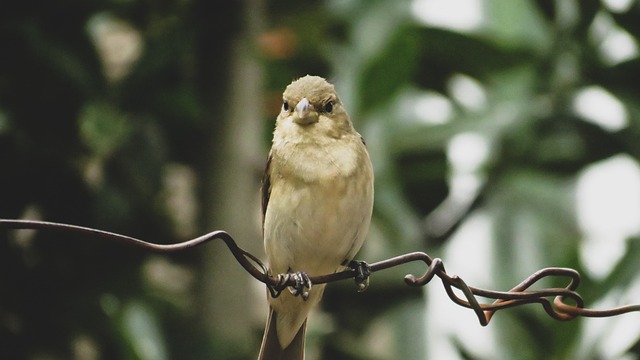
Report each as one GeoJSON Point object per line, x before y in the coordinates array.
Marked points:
{"type": "Point", "coordinates": [558, 308]}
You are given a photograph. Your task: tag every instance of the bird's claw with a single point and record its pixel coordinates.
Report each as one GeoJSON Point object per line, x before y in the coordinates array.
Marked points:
{"type": "Point", "coordinates": [363, 271]}
{"type": "Point", "coordinates": [302, 285]}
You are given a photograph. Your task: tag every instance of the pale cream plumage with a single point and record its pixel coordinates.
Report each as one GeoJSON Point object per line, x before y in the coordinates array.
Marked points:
{"type": "Point", "coordinates": [317, 201]}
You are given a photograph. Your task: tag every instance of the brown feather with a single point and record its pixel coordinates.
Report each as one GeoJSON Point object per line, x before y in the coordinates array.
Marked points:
{"type": "Point", "coordinates": [266, 187]}
{"type": "Point", "coordinates": [271, 349]}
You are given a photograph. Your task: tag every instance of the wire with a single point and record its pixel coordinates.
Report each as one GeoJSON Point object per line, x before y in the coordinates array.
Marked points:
{"type": "Point", "coordinates": [519, 295]}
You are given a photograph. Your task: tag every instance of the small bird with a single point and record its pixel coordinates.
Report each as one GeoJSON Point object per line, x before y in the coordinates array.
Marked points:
{"type": "Point", "coordinates": [317, 200]}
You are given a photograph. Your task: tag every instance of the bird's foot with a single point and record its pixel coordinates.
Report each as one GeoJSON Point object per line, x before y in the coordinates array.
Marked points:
{"type": "Point", "coordinates": [302, 285]}
{"type": "Point", "coordinates": [363, 271]}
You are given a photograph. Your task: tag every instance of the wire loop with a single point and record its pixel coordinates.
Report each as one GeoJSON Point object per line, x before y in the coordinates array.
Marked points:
{"type": "Point", "coordinates": [519, 295]}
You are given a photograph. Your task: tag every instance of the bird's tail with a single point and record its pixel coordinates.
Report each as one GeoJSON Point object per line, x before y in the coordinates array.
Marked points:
{"type": "Point", "coordinates": [271, 349]}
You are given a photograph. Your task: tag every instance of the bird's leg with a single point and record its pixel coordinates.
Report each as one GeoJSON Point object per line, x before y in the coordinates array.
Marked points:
{"type": "Point", "coordinates": [302, 285]}
{"type": "Point", "coordinates": [363, 270]}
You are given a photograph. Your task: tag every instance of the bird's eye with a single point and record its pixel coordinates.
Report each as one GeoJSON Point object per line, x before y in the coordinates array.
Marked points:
{"type": "Point", "coordinates": [328, 106]}
{"type": "Point", "coordinates": [285, 105]}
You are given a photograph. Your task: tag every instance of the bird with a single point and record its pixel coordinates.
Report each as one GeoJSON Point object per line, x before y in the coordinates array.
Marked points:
{"type": "Point", "coordinates": [317, 203]}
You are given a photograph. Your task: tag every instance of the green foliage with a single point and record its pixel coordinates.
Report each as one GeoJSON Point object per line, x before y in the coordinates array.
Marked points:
{"type": "Point", "coordinates": [531, 59]}
{"type": "Point", "coordinates": [81, 145]}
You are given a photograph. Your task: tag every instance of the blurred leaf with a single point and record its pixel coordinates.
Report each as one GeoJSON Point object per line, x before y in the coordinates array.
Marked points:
{"type": "Point", "coordinates": [585, 12]}
{"type": "Point", "coordinates": [516, 24]}
{"type": "Point", "coordinates": [388, 71]}
{"type": "Point", "coordinates": [560, 145]}
{"type": "Point", "coordinates": [392, 212]}
{"type": "Point", "coordinates": [629, 136]}
{"type": "Point", "coordinates": [629, 20]}
{"type": "Point", "coordinates": [547, 8]}
{"type": "Point", "coordinates": [103, 128]}
{"type": "Point", "coordinates": [445, 52]}
{"type": "Point", "coordinates": [588, 11]}
{"type": "Point", "coordinates": [534, 214]}
{"type": "Point", "coordinates": [623, 274]}
{"type": "Point", "coordinates": [142, 332]}
{"type": "Point", "coordinates": [376, 24]}
{"type": "Point", "coordinates": [423, 177]}
{"type": "Point", "coordinates": [621, 78]}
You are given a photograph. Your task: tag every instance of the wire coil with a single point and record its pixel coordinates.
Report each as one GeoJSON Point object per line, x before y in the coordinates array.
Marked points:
{"type": "Point", "coordinates": [558, 308]}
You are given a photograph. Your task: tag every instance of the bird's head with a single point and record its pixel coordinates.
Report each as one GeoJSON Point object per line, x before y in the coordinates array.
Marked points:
{"type": "Point", "coordinates": [312, 100]}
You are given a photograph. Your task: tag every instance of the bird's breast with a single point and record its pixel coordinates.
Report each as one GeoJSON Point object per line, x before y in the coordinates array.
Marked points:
{"type": "Point", "coordinates": [320, 201]}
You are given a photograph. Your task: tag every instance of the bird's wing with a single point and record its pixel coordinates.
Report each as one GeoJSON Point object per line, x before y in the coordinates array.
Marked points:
{"type": "Point", "coordinates": [266, 188]}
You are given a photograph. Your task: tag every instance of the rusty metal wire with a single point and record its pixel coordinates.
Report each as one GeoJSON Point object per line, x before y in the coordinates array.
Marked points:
{"type": "Point", "coordinates": [519, 295]}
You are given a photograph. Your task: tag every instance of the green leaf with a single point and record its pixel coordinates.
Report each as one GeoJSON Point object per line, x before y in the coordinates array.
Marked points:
{"type": "Point", "coordinates": [388, 71]}
{"type": "Point", "coordinates": [445, 52]}
{"type": "Point", "coordinates": [623, 274]}
{"type": "Point", "coordinates": [142, 332]}
{"type": "Point", "coordinates": [103, 128]}
{"type": "Point", "coordinates": [516, 24]}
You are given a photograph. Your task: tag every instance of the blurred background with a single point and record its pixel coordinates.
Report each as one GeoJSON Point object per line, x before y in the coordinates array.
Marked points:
{"type": "Point", "coordinates": [504, 136]}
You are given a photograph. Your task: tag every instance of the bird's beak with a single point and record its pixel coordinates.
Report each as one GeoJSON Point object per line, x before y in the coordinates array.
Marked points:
{"type": "Point", "coordinates": [305, 113]}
